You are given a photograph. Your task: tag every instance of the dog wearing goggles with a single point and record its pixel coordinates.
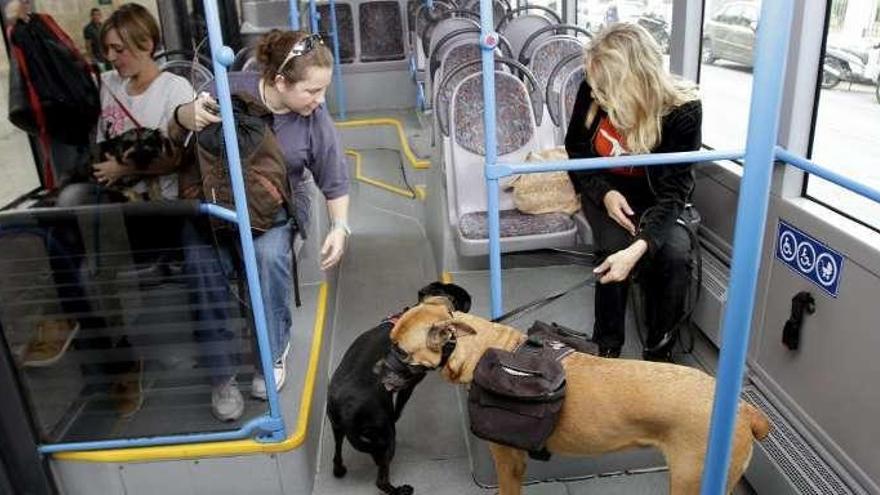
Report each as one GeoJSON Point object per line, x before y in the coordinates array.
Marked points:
{"type": "Point", "coordinates": [363, 409]}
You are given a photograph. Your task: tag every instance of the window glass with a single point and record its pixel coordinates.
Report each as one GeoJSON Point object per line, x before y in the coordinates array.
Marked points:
{"type": "Point", "coordinates": [847, 133]}
{"type": "Point", "coordinates": [653, 15]}
{"type": "Point", "coordinates": [554, 5]}
{"type": "Point", "coordinates": [729, 28]}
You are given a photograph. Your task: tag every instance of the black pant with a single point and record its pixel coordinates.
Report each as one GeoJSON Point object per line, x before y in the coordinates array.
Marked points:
{"type": "Point", "coordinates": [664, 276]}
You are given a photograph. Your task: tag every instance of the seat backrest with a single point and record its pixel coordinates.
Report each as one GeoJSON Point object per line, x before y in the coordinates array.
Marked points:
{"type": "Point", "coordinates": [558, 77]}
{"type": "Point", "coordinates": [424, 16]}
{"type": "Point", "coordinates": [548, 53]}
{"type": "Point", "coordinates": [459, 56]}
{"type": "Point", "coordinates": [381, 31]}
{"type": "Point", "coordinates": [518, 29]}
{"type": "Point", "coordinates": [515, 132]}
{"type": "Point", "coordinates": [345, 33]}
{"type": "Point", "coordinates": [445, 27]}
{"type": "Point", "coordinates": [459, 48]}
{"type": "Point", "coordinates": [570, 86]}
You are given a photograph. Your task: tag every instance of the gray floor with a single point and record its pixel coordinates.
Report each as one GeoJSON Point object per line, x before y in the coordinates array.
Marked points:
{"type": "Point", "coordinates": [385, 265]}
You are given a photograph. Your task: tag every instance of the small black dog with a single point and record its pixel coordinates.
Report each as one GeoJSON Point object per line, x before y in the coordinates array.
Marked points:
{"type": "Point", "coordinates": [359, 406]}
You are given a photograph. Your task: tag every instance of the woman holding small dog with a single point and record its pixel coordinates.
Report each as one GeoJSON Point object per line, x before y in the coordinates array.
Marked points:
{"type": "Point", "coordinates": [629, 104]}
{"type": "Point", "coordinates": [296, 72]}
{"type": "Point", "coordinates": [137, 94]}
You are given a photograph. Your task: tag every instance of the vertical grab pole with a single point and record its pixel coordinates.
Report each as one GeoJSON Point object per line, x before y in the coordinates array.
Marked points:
{"type": "Point", "coordinates": [488, 42]}
{"type": "Point", "coordinates": [294, 15]}
{"type": "Point", "coordinates": [751, 218]}
{"type": "Point", "coordinates": [337, 67]}
{"type": "Point", "coordinates": [313, 16]}
{"type": "Point", "coordinates": [223, 57]}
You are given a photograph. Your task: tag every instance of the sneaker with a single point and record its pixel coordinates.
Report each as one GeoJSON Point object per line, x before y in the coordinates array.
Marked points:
{"type": "Point", "coordinates": [128, 394]}
{"type": "Point", "coordinates": [227, 403]}
{"type": "Point", "coordinates": [50, 343]}
{"type": "Point", "coordinates": [258, 385]}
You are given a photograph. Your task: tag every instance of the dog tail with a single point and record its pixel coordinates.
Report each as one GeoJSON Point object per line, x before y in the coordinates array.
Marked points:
{"type": "Point", "coordinates": [758, 422]}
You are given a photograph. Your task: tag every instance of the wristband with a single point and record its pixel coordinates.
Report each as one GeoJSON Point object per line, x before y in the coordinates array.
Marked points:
{"type": "Point", "coordinates": [177, 119]}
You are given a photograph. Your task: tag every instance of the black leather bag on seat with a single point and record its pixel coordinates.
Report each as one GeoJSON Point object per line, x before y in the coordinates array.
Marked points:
{"type": "Point", "coordinates": [515, 397]}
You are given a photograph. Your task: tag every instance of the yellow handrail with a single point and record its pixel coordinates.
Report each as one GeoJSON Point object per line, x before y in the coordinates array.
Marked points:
{"type": "Point", "coordinates": [416, 163]}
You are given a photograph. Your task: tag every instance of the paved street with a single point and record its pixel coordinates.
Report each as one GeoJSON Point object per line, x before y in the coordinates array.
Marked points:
{"type": "Point", "coordinates": [847, 135]}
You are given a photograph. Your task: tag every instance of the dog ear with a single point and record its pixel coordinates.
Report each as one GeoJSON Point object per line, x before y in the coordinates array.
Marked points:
{"type": "Point", "coordinates": [442, 332]}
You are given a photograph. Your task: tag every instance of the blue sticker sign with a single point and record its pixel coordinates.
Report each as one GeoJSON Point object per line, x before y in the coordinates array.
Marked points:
{"type": "Point", "coordinates": [809, 258]}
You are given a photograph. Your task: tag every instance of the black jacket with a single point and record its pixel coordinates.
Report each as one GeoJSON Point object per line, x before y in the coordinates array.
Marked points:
{"type": "Point", "coordinates": [671, 184]}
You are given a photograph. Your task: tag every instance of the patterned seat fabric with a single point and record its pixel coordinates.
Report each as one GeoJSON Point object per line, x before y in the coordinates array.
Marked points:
{"type": "Point", "coordinates": [346, 29]}
{"type": "Point", "coordinates": [514, 224]}
{"type": "Point", "coordinates": [556, 88]}
{"type": "Point", "coordinates": [569, 92]}
{"type": "Point", "coordinates": [381, 28]}
{"type": "Point", "coordinates": [457, 56]}
{"type": "Point", "coordinates": [514, 125]}
{"type": "Point", "coordinates": [548, 54]}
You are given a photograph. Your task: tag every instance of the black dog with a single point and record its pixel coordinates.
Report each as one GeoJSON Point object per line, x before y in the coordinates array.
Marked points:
{"type": "Point", "coordinates": [359, 406]}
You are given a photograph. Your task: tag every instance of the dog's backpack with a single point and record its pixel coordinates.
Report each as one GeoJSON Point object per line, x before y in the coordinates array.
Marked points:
{"type": "Point", "coordinates": [263, 168]}
{"type": "Point", "coordinates": [515, 397]}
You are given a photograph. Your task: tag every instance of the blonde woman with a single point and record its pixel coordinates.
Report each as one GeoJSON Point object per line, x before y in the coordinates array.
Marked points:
{"type": "Point", "coordinates": [630, 105]}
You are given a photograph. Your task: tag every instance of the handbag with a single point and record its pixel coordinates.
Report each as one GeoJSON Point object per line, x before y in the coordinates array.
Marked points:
{"type": "Point", "coordinates": [545, 192]}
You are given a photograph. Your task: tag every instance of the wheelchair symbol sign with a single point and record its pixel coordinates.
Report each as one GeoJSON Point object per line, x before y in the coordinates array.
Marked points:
{"type": "Point", "coordinates": [809, 258]}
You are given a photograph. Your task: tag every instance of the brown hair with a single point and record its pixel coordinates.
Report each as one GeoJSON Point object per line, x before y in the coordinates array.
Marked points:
{"type": "Point", "coordinates": [274, 47]}
{"type": "Point", "coordinates": [135, 25]}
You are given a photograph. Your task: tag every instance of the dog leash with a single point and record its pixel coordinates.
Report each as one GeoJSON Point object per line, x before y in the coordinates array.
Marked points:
{"type": "Point", "coordinates": [541, 302]}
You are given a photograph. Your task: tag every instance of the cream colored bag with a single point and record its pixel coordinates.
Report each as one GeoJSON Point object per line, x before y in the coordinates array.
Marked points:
{"type": "Point", "coordinates": [547, 192]}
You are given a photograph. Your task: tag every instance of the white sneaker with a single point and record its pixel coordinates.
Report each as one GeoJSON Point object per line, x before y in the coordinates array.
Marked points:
{"type": "Point", "coordinates": [227, 403]}
{"type": "Point", "coordinates": [258, 385]}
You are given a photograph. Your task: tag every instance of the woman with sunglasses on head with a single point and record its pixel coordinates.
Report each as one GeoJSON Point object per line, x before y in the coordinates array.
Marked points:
{"type": "Point", "coordinates": [629, 104]}
{"type": "Point", "coordinates": [296, 71]}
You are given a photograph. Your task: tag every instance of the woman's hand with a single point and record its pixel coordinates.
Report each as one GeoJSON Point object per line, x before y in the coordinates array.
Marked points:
{"type": "Point", "coordinates": [334, 246]}
{"type": "Point", "coordinates": [617, 267]}
{"type": "Point", "coordinates": [109, 171]}
{"type": "Point", "coordinates": [619, 210]}
{"type": "Point", "coordinates": [199, 113]}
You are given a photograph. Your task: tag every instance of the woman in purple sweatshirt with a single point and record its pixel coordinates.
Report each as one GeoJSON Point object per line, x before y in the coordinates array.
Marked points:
{"type": "Point", "coordinates": [296, 72]}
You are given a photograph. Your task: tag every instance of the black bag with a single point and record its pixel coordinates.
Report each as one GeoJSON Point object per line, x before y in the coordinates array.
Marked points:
{"type": "Point", "coordinates": [572, 338]}
{"type": "Point", "coordinates": [515, 397]}
{"type": "Point", "coordinates": [54, 76]}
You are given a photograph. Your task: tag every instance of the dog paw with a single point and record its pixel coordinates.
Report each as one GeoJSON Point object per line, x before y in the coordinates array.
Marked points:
{"type": "Point", "coordinates": [403, 490]}
{"type": "Point", "coordinates": [339, 470]}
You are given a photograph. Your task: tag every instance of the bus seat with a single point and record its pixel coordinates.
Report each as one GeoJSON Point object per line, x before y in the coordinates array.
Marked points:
{"type": "Point", "coordinates": [381, 31]}
{"type": "Point", "coordinates": [516, 133]}
{"type": "Point", "coordinates": [542, 61]}
{"type": "Point", "coordinates": [567, 72]}
{"type": "Point", "coordinates": [345, 23]}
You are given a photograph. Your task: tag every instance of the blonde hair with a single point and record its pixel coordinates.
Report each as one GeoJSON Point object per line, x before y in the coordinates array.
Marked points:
{"type": "Point", "coordinates": [135, 26]}
{"type": "Point", "coordinates": [273, 48]}
{"type": "Point", "coordinates": [624, 69]}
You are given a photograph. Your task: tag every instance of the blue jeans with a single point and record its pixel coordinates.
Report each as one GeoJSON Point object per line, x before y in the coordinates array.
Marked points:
{"type": "Point", "coordinates": [207, 268]}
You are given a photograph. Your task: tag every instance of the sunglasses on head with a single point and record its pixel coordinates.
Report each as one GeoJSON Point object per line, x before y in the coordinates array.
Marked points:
{"type": "Point", "coordinates": [301, 48]}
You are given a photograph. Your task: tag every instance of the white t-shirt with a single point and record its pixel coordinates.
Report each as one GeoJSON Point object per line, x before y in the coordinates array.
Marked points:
{"type": "Point", "coordinates": [153, 109]}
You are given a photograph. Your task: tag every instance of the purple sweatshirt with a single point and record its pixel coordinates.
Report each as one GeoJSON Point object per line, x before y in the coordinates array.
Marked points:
{"type": "Point", "coordinates": [306, 142]}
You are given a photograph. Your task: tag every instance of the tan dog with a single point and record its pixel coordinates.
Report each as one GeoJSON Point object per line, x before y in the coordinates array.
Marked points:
{"type": "Point", "coordinates": [610, 404]}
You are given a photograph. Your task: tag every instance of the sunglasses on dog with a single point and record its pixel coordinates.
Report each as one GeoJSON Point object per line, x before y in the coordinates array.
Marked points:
{"type": "Point", "coordinates": [301, 48]}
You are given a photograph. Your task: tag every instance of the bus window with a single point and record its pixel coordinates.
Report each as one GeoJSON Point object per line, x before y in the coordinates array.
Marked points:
{"type": "Point", "coordinates": [847, 132]}
{"type": "Point", "coordinates": [726, 72]}
{"type": "Point", "coordinates": [554, 5]}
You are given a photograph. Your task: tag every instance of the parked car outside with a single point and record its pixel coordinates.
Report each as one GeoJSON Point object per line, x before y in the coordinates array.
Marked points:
{"type": "Point", "coordinates": [730, 33]}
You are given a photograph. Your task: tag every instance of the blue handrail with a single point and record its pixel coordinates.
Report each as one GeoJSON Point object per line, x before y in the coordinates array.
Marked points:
{"type": "Point", "coordinates": [337, 64]}
{"type": "Point", "coordinates": [222, 58]}
{"type": "Point", "coordinates": [293, 14]}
